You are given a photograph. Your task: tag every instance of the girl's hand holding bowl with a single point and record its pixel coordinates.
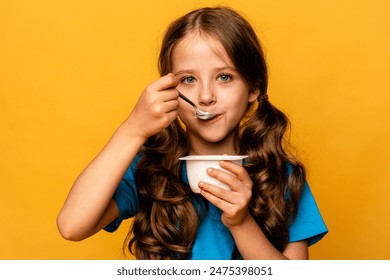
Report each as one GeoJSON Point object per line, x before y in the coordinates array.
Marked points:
{"type": "Point", "coordinates": [224, 182]}
{"type": "Point", "coordinates": [197, 166]}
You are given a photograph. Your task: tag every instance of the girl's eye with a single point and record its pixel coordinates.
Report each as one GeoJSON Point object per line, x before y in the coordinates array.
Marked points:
{"type": "Point", "coordinates": [188, 80]}
{"type": "Point", "coordinates": [225, 77]}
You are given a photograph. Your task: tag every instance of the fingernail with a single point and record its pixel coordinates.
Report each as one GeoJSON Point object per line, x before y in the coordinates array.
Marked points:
{"type": "Point", "coordinates": [210, 170]}
{"type": "Point", "coordinates": [200, 184]}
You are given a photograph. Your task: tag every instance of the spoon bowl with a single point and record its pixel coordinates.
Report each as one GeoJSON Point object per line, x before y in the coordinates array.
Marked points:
{"type": "Point", "coordinates": [199, 114]}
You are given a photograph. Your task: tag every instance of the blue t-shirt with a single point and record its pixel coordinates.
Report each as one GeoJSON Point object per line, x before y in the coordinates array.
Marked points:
{"type": "Point", "coordinates": [213, 240]}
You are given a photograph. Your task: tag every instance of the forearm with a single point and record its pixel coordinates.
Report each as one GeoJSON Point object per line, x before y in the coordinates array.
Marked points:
{"type": "Point", "coordinates": [252, 243]}
{"type": "Point", "coordinates": [92, 191]}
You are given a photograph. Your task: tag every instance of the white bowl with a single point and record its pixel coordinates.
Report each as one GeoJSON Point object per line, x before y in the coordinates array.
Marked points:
{"type": "Point", "coordinates": [197, 166]}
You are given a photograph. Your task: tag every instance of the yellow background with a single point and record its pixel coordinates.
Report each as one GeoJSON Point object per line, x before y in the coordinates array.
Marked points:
{"type": "Point", "coordinates": [70, 72]}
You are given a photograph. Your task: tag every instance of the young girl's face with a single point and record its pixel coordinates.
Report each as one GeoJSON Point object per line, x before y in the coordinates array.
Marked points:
{"type": "Point", "coordinates": [209, 78]}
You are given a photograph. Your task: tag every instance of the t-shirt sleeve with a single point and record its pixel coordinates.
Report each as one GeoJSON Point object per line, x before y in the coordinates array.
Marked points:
{"type": "Point", "coordinates": [308, 224]}
{"type": "Point", "coordinates": [126, 197]}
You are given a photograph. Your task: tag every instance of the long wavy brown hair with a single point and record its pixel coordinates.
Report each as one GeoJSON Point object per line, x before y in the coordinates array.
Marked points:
{"type": "Point", "coordinates": [166, 224]}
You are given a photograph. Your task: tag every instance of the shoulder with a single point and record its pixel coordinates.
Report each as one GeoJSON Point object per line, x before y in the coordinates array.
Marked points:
{"type": "Point", "coordinates": [308, 223]}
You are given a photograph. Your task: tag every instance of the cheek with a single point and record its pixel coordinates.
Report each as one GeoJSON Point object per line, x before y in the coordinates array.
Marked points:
{"type": "Point", "coordinates": [238, 104]}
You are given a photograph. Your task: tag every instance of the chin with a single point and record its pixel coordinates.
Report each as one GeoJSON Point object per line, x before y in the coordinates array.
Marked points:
{"type": "Point", "coordinates": [213, 138]}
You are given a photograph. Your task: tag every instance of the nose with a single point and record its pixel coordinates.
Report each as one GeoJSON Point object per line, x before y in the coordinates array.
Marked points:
{"type": "Point", "coordinates": [206, 96]}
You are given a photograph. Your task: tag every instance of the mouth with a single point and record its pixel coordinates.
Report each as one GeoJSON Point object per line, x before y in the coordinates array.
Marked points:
{"type": "Point", "coordinates": [204, 116]}
{"type": "Point", "coordinates": [214, 119]}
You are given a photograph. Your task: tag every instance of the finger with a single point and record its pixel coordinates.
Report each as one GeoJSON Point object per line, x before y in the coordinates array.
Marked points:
{"type": "Point", "coordinates": [170, 117]}
{"type": "Point", "coordinates": [165, 82]}
{"type": "Point", "coordinates": [233, 175]}
{"type": "Point", "coordinates": [223, 205]}
{"type": "Point", "coordinates": [222, 175]}
{"type": "Point", "coordinates": [218, 192]}
{"type": "Point", "coordinates": [164, 101]}
{"type": "Point", "coordinates": [169, 95]}
{"type": "Point", "coordinates": [169, 109]}
{"type": "Point", "coordinates": [238, 170]}
{"type": "Point", "coordinates": [171, 105]}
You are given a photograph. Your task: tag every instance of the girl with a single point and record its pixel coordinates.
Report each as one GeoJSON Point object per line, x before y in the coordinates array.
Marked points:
{"type": "Point", "coordinates": [213, 56]}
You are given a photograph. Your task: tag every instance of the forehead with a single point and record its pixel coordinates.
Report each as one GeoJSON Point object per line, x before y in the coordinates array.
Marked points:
{"type": "Point", "coordinates": [199, 45]}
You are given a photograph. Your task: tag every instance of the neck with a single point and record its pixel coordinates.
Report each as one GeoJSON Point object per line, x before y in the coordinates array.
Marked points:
{"type": "Point", "coordinates": [225, 147]}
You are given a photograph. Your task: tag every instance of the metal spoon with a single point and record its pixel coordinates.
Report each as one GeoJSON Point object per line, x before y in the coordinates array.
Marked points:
{"type": "Point", "coordinates": [204, 116]}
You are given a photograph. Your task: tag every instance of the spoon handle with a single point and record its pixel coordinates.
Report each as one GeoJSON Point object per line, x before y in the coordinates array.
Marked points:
{"type": "Point", "coordinates": [186, 99]}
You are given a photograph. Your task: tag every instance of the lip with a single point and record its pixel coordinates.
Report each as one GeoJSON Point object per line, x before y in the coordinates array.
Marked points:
{"type": "Point", "coordinates": [213, 120]}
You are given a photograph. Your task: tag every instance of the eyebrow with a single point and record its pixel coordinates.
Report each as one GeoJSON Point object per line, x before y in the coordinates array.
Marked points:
{"type": "Point", "coordinates": [231, 68]}
{"type": "Point", "coordinates": [218, 69]}
{"type": "Point", "coordinates": [183, 71]}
